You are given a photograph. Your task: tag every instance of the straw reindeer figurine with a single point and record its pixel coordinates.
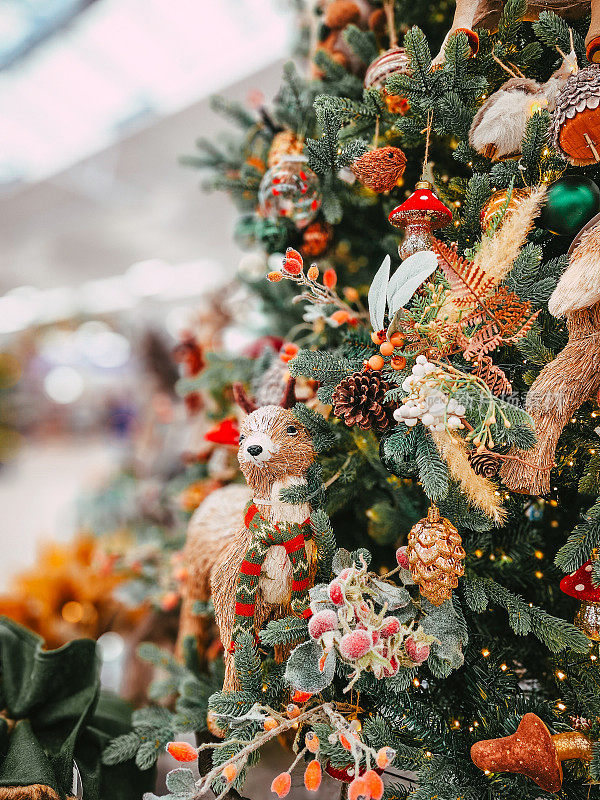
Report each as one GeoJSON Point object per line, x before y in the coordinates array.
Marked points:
{"type": "Point", "coordinates": [573, 376]}
{"type": "Point", "coordinates": [472, 14]}
{"type": "Point", "coordinates": [249, 550]}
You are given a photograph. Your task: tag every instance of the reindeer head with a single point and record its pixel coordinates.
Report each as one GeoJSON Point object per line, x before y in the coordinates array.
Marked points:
{"type": "Point", "coordinates": [273, 444]}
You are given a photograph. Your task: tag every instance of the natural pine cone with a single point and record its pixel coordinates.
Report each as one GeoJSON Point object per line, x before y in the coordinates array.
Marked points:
{"type": "Point", "coordinates": [316, 238]}
{"type": "Point", "coordinates": [381, 168]}
{"type": "Point", "coordinates": [484, 463]}
{"type": "Point", "coordinates": [435, 555]}
{"type": "Point", "coordinates": [360, 400]}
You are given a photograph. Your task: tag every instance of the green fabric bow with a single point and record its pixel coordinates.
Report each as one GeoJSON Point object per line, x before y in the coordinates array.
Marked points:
{"type": "Point", "coordinates": [53, 716]}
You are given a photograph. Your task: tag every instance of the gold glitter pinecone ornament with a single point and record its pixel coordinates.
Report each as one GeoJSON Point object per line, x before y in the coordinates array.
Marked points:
{"type": "Point", "coordinates": [285, 143]}
{"type": "Point", "coordinates": [360, 400]}
{"type": "Point", "coordinates": [435, 555]}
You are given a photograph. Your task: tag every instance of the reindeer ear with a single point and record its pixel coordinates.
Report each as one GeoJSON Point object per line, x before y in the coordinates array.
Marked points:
{"type": "Point", "coordinates": [289, 398]}
{"type": "Point", "coordinates": [242, 399]}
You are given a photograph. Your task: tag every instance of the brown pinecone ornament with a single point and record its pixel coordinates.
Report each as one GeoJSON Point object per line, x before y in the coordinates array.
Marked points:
{"type": "Point", "coordinates": [484, 463]}
{"type": "Point", "coordinates": [435, 555]}
{"type": "Point", "coordinates": [315, 239]}
{"type": "Point", "coordinates": [575, 124]}
{"type": "Point", "coordinates": [285, 143]}
{"type": "Point", "coordinates": [360, 400]}
{"type": "Point", "coordinates": [380, 169]}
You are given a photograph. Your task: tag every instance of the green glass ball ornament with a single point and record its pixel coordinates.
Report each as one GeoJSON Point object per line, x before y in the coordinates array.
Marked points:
{"type": "Point", "coordinates": [395, 453]}
{"type": "Point", "coordinates": [570, 203]}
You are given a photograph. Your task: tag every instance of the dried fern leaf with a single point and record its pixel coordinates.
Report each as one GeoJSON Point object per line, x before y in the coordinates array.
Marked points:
{"type": "Point", "coordinates": [469, 283]}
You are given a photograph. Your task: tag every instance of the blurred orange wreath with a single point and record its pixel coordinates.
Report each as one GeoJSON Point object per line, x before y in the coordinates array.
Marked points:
{"type": "Point", "coordinates": [68, 594]}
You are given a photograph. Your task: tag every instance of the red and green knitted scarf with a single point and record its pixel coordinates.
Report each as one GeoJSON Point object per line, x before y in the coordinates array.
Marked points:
{"type": "Point", "coordinates": [291, 536]}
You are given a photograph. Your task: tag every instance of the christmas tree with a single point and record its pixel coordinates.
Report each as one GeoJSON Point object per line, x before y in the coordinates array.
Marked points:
{"type": "Point", "coordinates": [420, 223]}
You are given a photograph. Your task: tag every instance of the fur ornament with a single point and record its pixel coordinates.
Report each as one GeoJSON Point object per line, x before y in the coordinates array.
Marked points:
{"type": "Point", "coordinates": [579, 286]}
{"type": "Point", "coordinates": [380, 169]}
{"type": "Point", "coordinates": [499, 126]}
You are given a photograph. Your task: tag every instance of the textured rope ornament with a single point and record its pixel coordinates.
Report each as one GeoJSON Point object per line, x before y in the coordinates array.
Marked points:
{"type": "Point", "coordinates": [574, 375]}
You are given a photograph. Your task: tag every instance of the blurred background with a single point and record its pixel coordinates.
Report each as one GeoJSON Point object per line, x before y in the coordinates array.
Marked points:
{"type": "Point", "coordinates": [108, 246]}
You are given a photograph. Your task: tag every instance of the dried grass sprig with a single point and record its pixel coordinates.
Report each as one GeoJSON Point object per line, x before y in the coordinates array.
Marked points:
{"type": "Point", "coordinates": [498, 252]}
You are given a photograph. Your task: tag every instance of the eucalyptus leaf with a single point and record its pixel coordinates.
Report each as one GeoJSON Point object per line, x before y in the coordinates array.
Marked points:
{"type": "Point", "coordinates": [395, 596]}
{"type": "Point", "coordinates": [377, 294]}
{"type": "Point", "coordinates": [408, 277]}
{"type": "Point", "coordinates": [303, 672]}
{"type": "Point", "coordinates": [181, 781]}
{"type": "Point", "coordinates": [342, 559]}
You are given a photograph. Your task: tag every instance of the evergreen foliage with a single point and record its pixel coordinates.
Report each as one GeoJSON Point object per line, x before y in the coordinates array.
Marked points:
{"type": "Point", "coordinates": [499, 642]}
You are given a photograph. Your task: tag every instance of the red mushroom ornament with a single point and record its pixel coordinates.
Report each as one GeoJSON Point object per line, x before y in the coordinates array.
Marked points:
{"type": "Point", "coordinates": [419, 215]}
{"type": "Point", "coordinates": [579, 585]}
{"type": "Point", "coordinates": [532, 751]}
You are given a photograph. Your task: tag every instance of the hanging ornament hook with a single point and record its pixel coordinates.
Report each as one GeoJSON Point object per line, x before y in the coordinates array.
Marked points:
{"type": "Point", "coordinates": [427, 132]}
{"type": "Point", "coordinates": [388, 7]}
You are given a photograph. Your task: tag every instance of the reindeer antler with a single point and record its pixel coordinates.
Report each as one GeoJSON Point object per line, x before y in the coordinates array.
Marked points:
{"type": "Point", "coordinates": [242, 399]}
{"type": "Point", "coordinates": [289, 398]}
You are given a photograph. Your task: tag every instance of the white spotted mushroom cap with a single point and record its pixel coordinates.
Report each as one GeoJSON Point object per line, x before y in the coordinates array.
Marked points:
{"type": "Point", "coordinates": [579, 584]}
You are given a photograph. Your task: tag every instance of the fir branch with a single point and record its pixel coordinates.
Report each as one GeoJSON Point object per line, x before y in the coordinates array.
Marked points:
{"type": "Point", "coordinates": [533, 349]}
{"type": "Point", "coordinates": [524, 618]}
{"type": "Point", "coordinates": [583, 540]}
{"type": "Point", "coordinates": [325, 542]}
{"type": "Point", "coordinates": [362, 43]}
{"type": "Point", "coordinates": [233, 110]}
{"type": "Point", "coordinates": [284, 631]}
{"type": "Point", "coordinates": [553, 31]}
{"type": "Point", "coordinates": [433, 471]}
{"type": "Point", "coordinates": [247, 665]}
{"type": "Point", "coordinates": [511, 19]}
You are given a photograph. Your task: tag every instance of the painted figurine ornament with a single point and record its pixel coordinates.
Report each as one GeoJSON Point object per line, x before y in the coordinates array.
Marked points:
{"type": "Point", "coordinates": [246, 548]}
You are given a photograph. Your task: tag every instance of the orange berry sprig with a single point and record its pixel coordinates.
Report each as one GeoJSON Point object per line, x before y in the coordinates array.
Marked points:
{"type": "Point", "coordinates": [288, 351]}
{"type": "Point", "coordinates": [387, 347]}
{"type": "Point", "coordinates": [317, 293]}
{"type": "Point", "coordinates": [182, 751]}
{"type": "Point", "coordinates": [274, 724]}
